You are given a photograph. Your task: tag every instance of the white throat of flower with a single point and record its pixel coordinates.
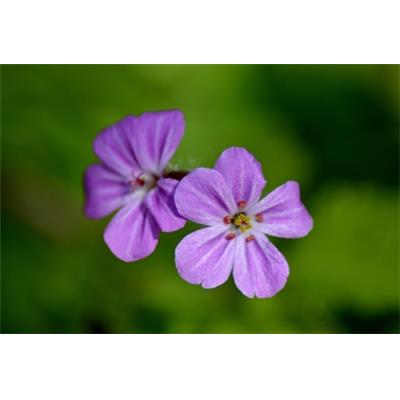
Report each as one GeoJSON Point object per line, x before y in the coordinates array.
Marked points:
{"type": "Point", "coordinates": [141, 184]}
{"type": "Point", "coordinates": [241, 223]}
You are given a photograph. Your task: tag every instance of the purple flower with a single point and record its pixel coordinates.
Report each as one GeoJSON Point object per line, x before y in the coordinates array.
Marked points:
{"type": "Point", "coordinates": [227, 200]}
{"type": "Point", "coordinates": [133, 154]}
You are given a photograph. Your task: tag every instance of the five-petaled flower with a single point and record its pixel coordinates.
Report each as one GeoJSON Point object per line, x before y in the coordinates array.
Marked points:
{"type": "Point", "coordinates": [134, 153]}
{"type": "Point", "coordinates": [227, 200]}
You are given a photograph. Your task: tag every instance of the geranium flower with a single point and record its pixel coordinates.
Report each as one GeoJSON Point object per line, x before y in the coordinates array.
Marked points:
{"type": "Point", "coordinates": [134, 153]}
{"type": "Point", "coordinates": [227, 200]}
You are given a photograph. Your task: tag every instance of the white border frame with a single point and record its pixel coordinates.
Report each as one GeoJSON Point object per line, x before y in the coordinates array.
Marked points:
{"type": "Point", "coordinates": [199, 367]}
{"type": "Point", "coordinates": [207, 31]}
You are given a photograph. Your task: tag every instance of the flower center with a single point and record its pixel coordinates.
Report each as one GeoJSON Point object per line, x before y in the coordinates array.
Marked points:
{"type": "Point", "coordinates": [145, 182]}
{"type": "Point", "coordinates": [241, 221]}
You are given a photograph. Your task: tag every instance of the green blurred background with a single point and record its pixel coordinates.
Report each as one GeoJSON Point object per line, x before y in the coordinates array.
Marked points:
{"type": "Point", "coordinates": [335, 129]}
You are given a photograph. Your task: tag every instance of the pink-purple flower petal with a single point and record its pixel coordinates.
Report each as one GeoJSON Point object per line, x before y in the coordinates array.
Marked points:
{"type": "Point", "coordinates": [259, 270]}
{"type": "Point", "coordinates": [114, 147]}
{"type": "Point", "coordinates": [157, 135]}
{"type": "Point", "coordinates": [205, 257]}
{"type": "Point", "coordinates": [242, 173]}
{"type": "Point", "coordinates": [104, 191]}
{"type": "Point", "coordinates": [160, 202]}
{"type": "Point", "coordinates": [283, 212]}
{"type": "Point", "coordinates": [133, 233]}
{"type": "Point", "coordinates": [204, 197]}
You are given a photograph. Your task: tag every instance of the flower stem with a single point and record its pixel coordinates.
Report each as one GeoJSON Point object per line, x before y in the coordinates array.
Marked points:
{"type": "Point", "coordinates": [178, 175]}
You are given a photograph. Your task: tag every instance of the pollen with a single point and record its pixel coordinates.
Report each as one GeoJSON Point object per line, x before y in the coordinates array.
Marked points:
{"type": "Point", "coordinates": [230, 236]}
{"type": "Point", "coordinates": [242, 222]}
{"type": "Point", "coordinates": [227, 219]}
{"type": "Point", "coordinates": [259, 218]}
{"type": "Point", "coordinates": [241, 203]}
{"type": "Point", "coordinates": [250, 238]}
{"type": "Point", "coordinates": [140, 181]}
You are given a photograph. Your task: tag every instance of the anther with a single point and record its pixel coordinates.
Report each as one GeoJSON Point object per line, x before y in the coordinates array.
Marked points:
{"type": "Point", "coordinates": [241, 203]}
{"type": "Point", "coordinates": [140, 181]}
{"type": "Point", "coordinates": [250, 238]}
{"type": "Point", "coordinates": [227, 219]}
{"type": "Point", "coordinates": [230, 236]}
{"type": "Point", "coordinates": [259, 218]}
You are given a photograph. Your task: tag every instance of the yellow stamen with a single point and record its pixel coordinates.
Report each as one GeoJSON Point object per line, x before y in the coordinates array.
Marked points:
{"type": "Point", "coordinates": [241, 221]}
